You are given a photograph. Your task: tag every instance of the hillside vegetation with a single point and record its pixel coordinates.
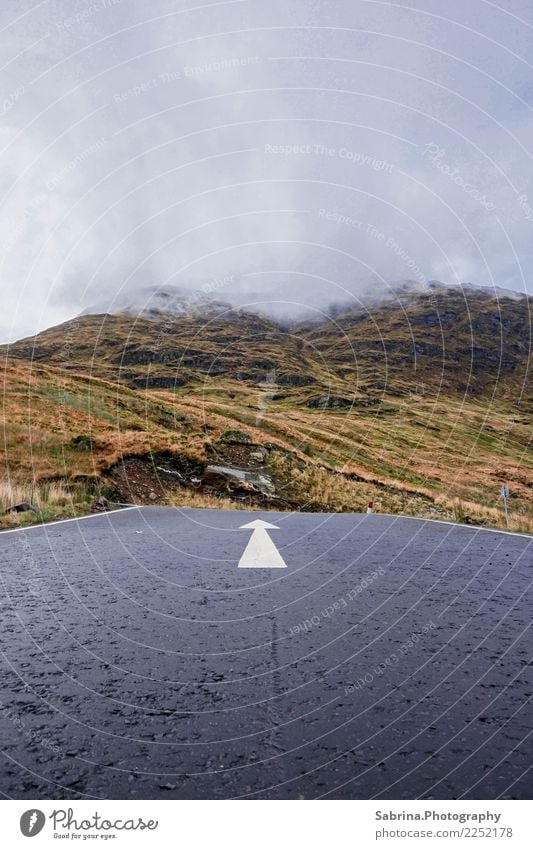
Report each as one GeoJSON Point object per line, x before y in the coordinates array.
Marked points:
{"type": "Point", "coordinates": [422, 406]}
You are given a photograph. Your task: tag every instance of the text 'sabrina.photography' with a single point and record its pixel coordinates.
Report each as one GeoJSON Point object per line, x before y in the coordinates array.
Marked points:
{"type": "Point", "coordinates": [266, 483]}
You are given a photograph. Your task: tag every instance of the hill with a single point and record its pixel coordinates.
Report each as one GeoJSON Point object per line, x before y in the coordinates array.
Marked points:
{"type": "Point", "coordinates": [422, 405]}
{"type": "Point", "coordinates": [444, 339]}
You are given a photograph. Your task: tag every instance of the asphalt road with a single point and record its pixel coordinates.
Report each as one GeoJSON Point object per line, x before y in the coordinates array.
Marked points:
{"type": "Point", "coordinates": [390, 659]}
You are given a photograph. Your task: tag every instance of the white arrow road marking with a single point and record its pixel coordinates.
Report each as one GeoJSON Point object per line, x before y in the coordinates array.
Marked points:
{"type": "Point", "coordinates": [261, 553]}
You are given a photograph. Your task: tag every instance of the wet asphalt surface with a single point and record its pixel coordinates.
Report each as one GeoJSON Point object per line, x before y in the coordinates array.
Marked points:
{"type": "Point", "coordinates": [391, 659]}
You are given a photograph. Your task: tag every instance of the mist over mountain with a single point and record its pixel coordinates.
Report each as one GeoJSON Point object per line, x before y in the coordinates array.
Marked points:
{"type": "Point", "coordinates": [155, 301]}
{"type": "Point", "coordinates": [306, 150]}
{"type": "Point", "coordinates": [174, 301]}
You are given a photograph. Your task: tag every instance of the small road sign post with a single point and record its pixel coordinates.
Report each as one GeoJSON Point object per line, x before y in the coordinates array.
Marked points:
{"type": "Point", "coordinates": [504, 492]}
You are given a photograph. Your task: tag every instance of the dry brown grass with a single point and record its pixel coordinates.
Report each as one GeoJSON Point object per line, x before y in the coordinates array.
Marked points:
{"type": "Point", "coordinates": [40, 495]}
{"type": "Point", "coordinates": [193, 498]}
{"type": "Point", "coordinates": [417, 456]}
{"type": "Point", "coordinates": [53, 500]}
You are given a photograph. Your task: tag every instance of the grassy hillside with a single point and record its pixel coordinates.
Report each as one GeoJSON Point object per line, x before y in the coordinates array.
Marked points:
{"type": "Point", "coordinates": [68, 435]}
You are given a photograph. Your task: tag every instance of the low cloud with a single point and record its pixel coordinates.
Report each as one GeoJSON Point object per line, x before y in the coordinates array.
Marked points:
{"type": "Point", "coordinates": [307, 151]}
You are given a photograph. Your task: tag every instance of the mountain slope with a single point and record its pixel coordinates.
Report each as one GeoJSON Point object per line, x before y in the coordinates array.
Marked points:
{"type": "Point", "coordinates": [447, 340]}
{"type": "Point", "coordinates": [411, 455]}
{"type": "Point", "coordinates": [421, 404]}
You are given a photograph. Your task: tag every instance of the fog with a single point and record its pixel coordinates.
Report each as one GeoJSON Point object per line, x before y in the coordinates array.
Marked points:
{"type": "Point", "coordinates": [288, 155]}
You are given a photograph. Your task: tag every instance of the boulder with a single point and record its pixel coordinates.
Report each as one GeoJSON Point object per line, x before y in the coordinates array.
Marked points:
{"type": "Point", "coordinates": [236, 437]}
{"type": "Point", "coordinates": [295, 380]}
{"type": "Point", "coordinates": [23, 507]}
{"type": "Point", "coordinates": [329, 402]}
{"type": "Point", "coordinates": [100, 505]}
{"type": "Point", "coordinates": [233, 478]}
{"type": "Point", "coordinates": [82, 443]}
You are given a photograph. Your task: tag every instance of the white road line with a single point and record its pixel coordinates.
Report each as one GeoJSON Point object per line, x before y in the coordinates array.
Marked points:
{"type": "Point", "coordinates": [44, 525]}
{"type": "Point", "coordinates": [458, 525]}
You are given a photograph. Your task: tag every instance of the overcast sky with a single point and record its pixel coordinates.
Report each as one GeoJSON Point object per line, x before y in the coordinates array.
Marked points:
{"type": "Point", "coordinates": [293, 151]}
